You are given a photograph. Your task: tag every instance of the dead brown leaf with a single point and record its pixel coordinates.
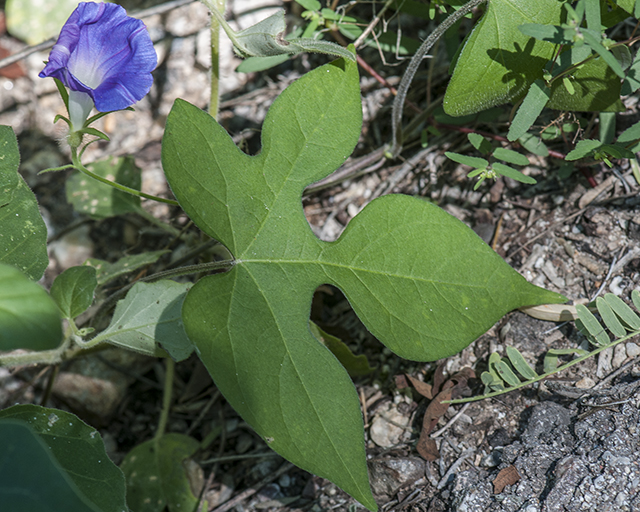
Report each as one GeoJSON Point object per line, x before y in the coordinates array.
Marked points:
{"type": "Point", "coordinates": [435, 410]}
{"type": "Point", "coordinates": [426, 390]}
{"type": "Point", "coordinates": [506, 476]}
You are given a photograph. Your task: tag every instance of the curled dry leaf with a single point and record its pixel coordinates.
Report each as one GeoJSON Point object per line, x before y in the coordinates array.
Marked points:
{"type": "Point", "coordinates": [452, 388]}
{"type": "Point", "coordinates": [506, 476]}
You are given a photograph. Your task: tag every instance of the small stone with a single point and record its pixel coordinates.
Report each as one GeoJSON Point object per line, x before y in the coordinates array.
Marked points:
{"type": "Point", "coordinates": [384, 430]}
{"type": "Point", "coordinates": [619, 356]}
{"type": "Point", "coordinates": [604, 363]}
{"type": "Point", "coordinates": [585, 383]}
{"type": "Point", "coordinates": [633, 349]}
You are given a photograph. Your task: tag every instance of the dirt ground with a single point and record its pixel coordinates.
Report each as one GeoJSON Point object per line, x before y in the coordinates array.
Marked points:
{"type": "Point", "coordinates": [564, 445]}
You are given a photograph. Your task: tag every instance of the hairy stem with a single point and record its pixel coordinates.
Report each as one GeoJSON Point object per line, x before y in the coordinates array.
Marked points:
{"type": "Point", "coordinates": [214, 99]}
{"type": "Point", "coordinates": [77, 164]}
{"type": "Point", "coordinates": [414, 64]}
{"type": "Point", "coordinates": [544, 375]}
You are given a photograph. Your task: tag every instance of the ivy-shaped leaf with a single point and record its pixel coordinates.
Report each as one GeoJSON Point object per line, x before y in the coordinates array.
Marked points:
{"type": "Point", "coordinates": [498, 62]}
{"type": "Point", "coordinates": [420, 280]}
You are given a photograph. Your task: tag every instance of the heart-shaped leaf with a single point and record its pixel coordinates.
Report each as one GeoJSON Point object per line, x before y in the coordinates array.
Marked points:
{"type": "Point", "coordinates": [420, 280]}
{"type": "Point", "coordinates": [498, 62]}
{"type": "Point", "coordinates": [149, 320]}
{"type": "Point", "coordinates": [74, 459]}
{"type": "Point", "coordinates": [73, 290]}
{"type": "Point", "coordinates": [23, 236]}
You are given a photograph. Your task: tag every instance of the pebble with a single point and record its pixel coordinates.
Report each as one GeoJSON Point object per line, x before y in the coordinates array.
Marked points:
{"type": "Point", "coordinates": [585, 383]}
{"type": "Point", "coordinates": [633, 350]}
{"type": "Point", "coordinates": [619, 356]}
{"type": "Point", "coordinates": [384, 433]}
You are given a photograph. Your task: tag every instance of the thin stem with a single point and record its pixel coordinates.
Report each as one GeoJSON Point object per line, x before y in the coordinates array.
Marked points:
{"type": "Point", "coordinates": [53, 356]}
{"type": "Point", "coordinates": [544, 375]}
{"type": "Point", "coordinates": [166, 398]}
{"type": "Point", "coordinates": [214, 99]}
{"type": "Point", "coordinates": [181, 271]}
{"type": "Point", "coordinates": [78, 165]}
{"type": "Point", "coordinates": [409, 74]}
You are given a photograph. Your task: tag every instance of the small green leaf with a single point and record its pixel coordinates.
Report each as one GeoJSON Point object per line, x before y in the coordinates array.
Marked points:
{"type": "Point", "coordinates": [508, 155]}
{"type": "Point", "coordinates": [23, 234]}
{"type": "Point", "coordinates": [625, 313]}
{"type": "Point", "coordinates": [514, 174]}
{"type": "Point", "coordinates": [631, 83]}
{"type": "Point", "coordinates": [99, 200]}
{"type": "Point", "coordinates": [584, 148]}
{"type": "Point", "coordinates": [480, 143]}
{"type": "Point", "coordinates": [592, 14]}
{"type": "Point", "coordinates": [311, 5]}
{"type": "Point", "coordinates": [29, 318]}
{"type": "Point", "coordinates": [607, 127]}
{"type": "Point", "coordinates": [592, 38]}
{"type": "Point", "coordinates": [57, 457]}
{"type": "Point", "coordinates": [533, 144]}
{"type": "Point", "coordinates": [156, 476]}
{"type": "Point", "coordinates": [630, 134]}
{"type": "Point", "coordinates": [106, 271]}
{"type": "Point", "coordinates": [520, 364]}
{"type": "Point", "coordinates": [590, 327]}
{"type": "Point", "coordinates": [568, 85]}
{"type": "Point", "coordinates": [529, 110]}
{"type": "Point", "coordinates": [73, 290]}
{"type": "Point", "coordinates": [635, 297]}
{"type": "Point", "coordinates": [491, 383]}
{"type": "Point", "coordinates": [609, 318]}
{"type": "Point", "coordinates": [149, 319]}
{"type": "Point", "coordinates": [551, 357]}
{"type": "Point", "coordinates": [356, 366]}
{"type": "Point", "coordinates": [471, 161]}
{"type": "Point", "coordinates": [505, 371]}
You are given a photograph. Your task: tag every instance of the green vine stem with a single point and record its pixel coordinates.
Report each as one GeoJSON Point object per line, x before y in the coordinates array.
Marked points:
{"type": "Point", "coordinates": [544, 375]}
{"type": "Point", "coordinates": [166, 398]}
{"type": "Point", "coordinates": [214, 99]}
{"type": "Point", "coordinates": [412, 68]}
{"type": "Point", "coordinates": [78, 165]}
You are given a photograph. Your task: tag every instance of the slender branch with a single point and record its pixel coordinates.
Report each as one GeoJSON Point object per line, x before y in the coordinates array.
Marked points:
{"type": "Point", "coordinates": [373, 24]}
{"type": "Point", "coordinates": [544, 375]}
{"type": "Point", "coordinates": [414, 64]}
{"type": "Point", "coordinates": [214, 98]}
{"type": "Point", "coordinates": [128, 190]}
{"type": "Point", "coordinates": [166, 398]}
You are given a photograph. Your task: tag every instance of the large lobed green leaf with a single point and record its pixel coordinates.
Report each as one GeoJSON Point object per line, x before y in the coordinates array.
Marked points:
{"type": "Point", "coordinates": [498, 62]}
{"type": "Point", "coordinates": [50, 461]}
{"type": "Point", "coordinates": [23, 235]}
{"type": "Point", "coordinates": [420, 280]}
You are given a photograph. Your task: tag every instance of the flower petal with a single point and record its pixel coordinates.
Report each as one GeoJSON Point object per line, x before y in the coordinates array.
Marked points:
{"type": "Point", "coordinates": [105, 53]}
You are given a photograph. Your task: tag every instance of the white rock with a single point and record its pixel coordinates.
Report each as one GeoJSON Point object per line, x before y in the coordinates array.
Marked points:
{"type": "Point", "coordinates": [385, 433]}
{"type": "Point", "coordinates": [633, 350]}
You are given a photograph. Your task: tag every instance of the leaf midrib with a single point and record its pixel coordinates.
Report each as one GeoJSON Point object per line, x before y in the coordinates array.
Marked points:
{"type": "Point", "coordinates": [352, 268]}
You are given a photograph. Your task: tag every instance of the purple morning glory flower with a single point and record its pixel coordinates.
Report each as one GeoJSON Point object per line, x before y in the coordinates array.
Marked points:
{"type": "Point", "coordinates": [104, 57]}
